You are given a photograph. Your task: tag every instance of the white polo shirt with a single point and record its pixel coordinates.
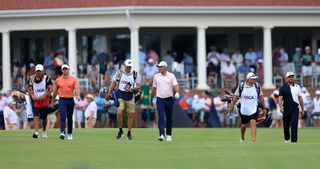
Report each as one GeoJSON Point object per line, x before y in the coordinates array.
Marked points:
{"type": "Point", "coordinates": [296, 92]}
{"type": "Point", "coordinates": [91, 107]}
{"type": "Point", "coordinates": [9, 113]}
{"type": "Point", "coordinates": [164, 84]}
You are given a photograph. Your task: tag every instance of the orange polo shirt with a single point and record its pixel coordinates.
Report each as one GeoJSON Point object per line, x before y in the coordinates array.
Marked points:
{"type": "Point", "coordinates": [66, 86]}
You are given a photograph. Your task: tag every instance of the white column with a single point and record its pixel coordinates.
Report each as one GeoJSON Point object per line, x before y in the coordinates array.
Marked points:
{"type": "Point", "coordinates": [6, 65]}
{"type": "Point", "coordinates": [72, 51]}
{"type": "Point", "coordinates": [134, 47]}
{"type": "Point", "coordinates": [267, 53]}
{"type": "Point", "coordinates": [201, 58]}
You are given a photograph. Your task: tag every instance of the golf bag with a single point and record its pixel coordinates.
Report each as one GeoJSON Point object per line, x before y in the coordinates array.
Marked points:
{"type": "Point", "coordinates": [263, 120]}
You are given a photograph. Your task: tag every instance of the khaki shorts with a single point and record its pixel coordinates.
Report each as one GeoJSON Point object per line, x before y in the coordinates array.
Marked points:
{"type": "Point", "coordinates": [128, 105]}
{"type": "Point", "coordinates": [52, 118]}
{"type": "Point", "coordinates": [14, 127]}
{"type": "Point", "coordinates": [92, 123]}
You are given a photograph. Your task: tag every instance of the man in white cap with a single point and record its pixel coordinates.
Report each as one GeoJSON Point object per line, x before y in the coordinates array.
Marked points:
{"type": "Point", "coordinates": [289, 100]}
{"type": "Point", "coordinates": [249, 93]}
{"type": "Point", "coordinates": [126, 81]}
{"type": "Point", "coordinates": [68, 87]}
{"type": "Point", "coordinates": [163, 87]}
{"type": "Point", "coordinates": [39, 87]}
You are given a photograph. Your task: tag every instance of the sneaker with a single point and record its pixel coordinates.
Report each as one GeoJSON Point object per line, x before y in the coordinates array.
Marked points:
{"type": "Point", "coordinates": [44, 135]}
{"type": "Point", "coordinates": [35, 135]}
{"type": "Point", "coordinates": [62, 136]}
{"type": "Point", "coordinates": [70, 137]}
{"type": "Point", "coordinates": [161, 138]}
{"type": "Point", "coordinates": [120, 135]}
{"type": "Point", "coordinates": [129, 136]}
{"type": "Point", "coordinates": [286, 141]}
{"type": "Point", "coordinates": [241, 140]}
{"type": "Point", "coordinates": [169, 138]}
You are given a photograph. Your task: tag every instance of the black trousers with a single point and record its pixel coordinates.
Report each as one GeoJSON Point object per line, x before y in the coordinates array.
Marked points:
{"type": "Point", "coordinates": [2, 124]}
{"type": "Point", "coordinates": [290, 120]}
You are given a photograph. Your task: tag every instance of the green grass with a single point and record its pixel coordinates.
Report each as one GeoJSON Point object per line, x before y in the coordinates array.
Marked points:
{"type": "Point", "coordinates": [190, 149]}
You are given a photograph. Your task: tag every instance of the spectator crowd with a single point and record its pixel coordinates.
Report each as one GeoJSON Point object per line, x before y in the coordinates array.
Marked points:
{"type": "Point", "coordinates": [225, 69]}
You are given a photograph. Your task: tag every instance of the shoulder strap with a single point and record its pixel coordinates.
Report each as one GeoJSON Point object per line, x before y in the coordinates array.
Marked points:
{"type": "Point", "coordinates": [134, 75]}
{"type": "Point", "coordinates": [118, 75]}
{"type": "Point", "coordinates": [241, 88]}
{"type": "Point", "coordinates": [31, 80]}
{"type": "Point", "coordinates": [47, 78]}
{"type": "Point", "coordinates": [134, 78]}
{"type": "Point", "coordinates": [257, 86]}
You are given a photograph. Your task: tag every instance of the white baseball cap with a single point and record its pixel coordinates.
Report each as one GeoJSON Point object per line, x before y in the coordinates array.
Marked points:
{"type": "Point", "coordinates": [289, 74]}
{"type": "Point", "coordinates": [162, 63]}
{"type": "Point", "coordinates": [304, 89]}
{"type": "Point", "coordinates": [128, 62]}
{"type": "Point", "coordinates": [276, 92]}
{"type": "Point", "coordinates": [39, 67]}
{"type": "Point", "coordinates": [251, 75]}
{"type": "Point", "coordinates": [317, 92]}
{"type": "Point", "coordinates": [64, 66]}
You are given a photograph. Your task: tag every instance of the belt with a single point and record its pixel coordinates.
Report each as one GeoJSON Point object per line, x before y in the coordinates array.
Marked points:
{"type": "Point", "coordinates": [66, 98]}
{"type": "Point", "coordinates": [167, 98]}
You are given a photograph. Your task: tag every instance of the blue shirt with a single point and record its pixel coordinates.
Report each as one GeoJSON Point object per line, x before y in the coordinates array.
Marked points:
{"type": "Point", "coordinates": [49, 61]}
{"type": "Point", "coordinates": [284, 56]}
{"type": "Point", "coordinates": [251, 57]}
{"type": "Point", "coordinates": [244, 68]}
{"type": "Point", "coordinates": [317, 58]}
{"type": "Point", "coordinates": [188, 64]}
{"type": "Point", "coordinates": [100, 102]}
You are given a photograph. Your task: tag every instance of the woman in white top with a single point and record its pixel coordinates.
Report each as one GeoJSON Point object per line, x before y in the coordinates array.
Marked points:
{"type": "Point", "coordinates": [90, 112]}
{"type": "Point", "coordinates": [10, 117]}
